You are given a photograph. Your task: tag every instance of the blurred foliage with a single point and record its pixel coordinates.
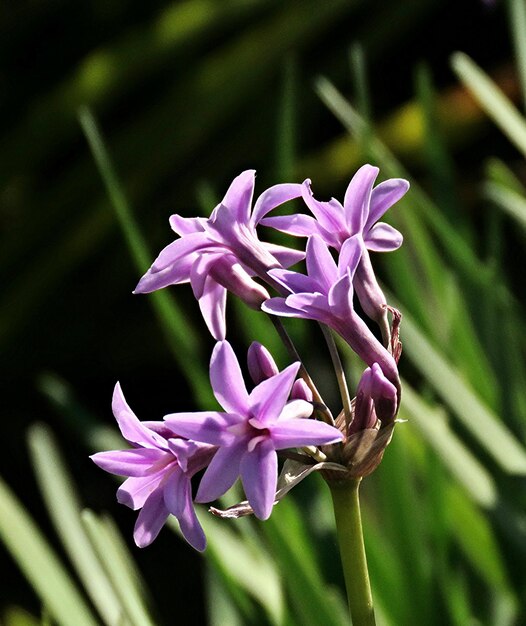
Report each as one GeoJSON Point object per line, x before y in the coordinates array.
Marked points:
{"type": "Point", "coordinates": [174, 100]}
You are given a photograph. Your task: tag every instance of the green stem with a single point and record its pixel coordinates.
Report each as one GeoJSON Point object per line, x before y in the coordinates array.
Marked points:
{"type": "Point", "coordinates": [340, 375]}
{"type": "Point", "coordinates": [346, 505]}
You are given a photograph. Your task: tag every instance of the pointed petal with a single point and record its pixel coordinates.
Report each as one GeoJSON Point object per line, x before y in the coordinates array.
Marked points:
{"type": "Point", "coordinates": [294, 282]}
{"type": "Point", "coordinates": [133, 462]}
{"type": "Point", "coordinates": [151, 519]}
{"type": "Point", "coordinates": [213, 304]}
{"type": "Point", "coordinates": [313, 306]}
{"type": "Point", "coordinates": [131, 428]}
{"type": "Point", "coordinates": [273, 197]}
{"type": "Point", "coordinates": [357, 198]}
{"type": "Point", "coordinates": [189, 524]}
{"type": "Point", "coordinates": [285, 256]}
{"type": "Point", "coordinates": [298, 225]}
{"type": "Point", "coordinates": [222, 472]}
{"type": "Point", "coordinates": [383, 197]}
{"type": "Point", "coordinates": [340, 299]}
{"type": "Point", "coordinates": [175, 490]}
{"type": "Point", "coordinates": [134, 491]}
{"type": "Point", "coordinates": [301, 391]}
{"type": "Point", "coordinates": [320, 264]}
{"type": "Point", "coordinates": [383, 238]}
{"type": "Point", "coordinates": [152, 281]}
{"type": "Point", "coordinates": [187, 225]}
{"type": "Point", "coordinates": [181, 248]}
{"type": "Point", "coordinates": [278, 306]}
{"type": "Point", "coordinates": [259, 473]}
{"type": "Point", "coordinates": [350, 255]}
{"type": "Point", "coordinates": [227, 380]}
{"type": "Point", "coordinates": [269, 397]}
{"type": "Point", "coordinates": [238, 198]}
{"type": "Point", "coordinates": [206, 426]}
{"type": "Point", "coordinates": [303, 432]}
{"type": "Point", "coordinates": [329, 214]}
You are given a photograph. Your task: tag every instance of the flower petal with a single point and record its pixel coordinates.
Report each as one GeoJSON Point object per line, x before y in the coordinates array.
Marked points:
{"type": "Point", "coordinates": [175, 491]}
{"type": "Point", "coordinates": [269, 397]}
{"type": "Point", "coordinates": [329, 214]}
{"type": "Point", "coordinates": [357, 198]}
{"type": "Point", "coordinates": [227, 380]}
{"type": "Point", "coordinates": [350, 255]}
{"type": "Point", "coordinates": [238, 198]}
{"type": "Point", "coordinates": [383, 238]}
{"type": "Point", "coordinates": [189, 524]}
{"type": "Point", "coordinates": [278, 306]}
{"type": "Point", "coordinates": [320, 264]}
{"type": "Point", "coordinates": [383, 197]}
{"type": "Point", "coordinates": [303, 432]}
{"type": "Point", "coordinates": [187, 225]}
{"type": "Point", "coordinates": [151, 519]}
{"type": "Point", "coordinates": [131, 428]}
{"type": "Point", "coordinates": [176, 251]}
{"type": "Point", "coordinates": [273, 197]}
{"type": "Point", "coordinates": [294, 282]}
{"type": "Point", "coordinates": [134, 492]}
{"type": "Point", "coordinates": [222, 472]}
{"type": "Point", "coordinates": [285, 256]}
{"type": "Point", "coordinates": [213, 304]}
{"type": "Point", "coordinates": [133, 462]}
{"type": "Point", "coordinates": [259, 474]}
{"type": "Point", "coordinates": [206, 426]}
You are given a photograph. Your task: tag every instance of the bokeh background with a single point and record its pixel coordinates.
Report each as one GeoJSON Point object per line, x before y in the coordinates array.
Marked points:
{"type": "Point", "coordinates": [187, 95]}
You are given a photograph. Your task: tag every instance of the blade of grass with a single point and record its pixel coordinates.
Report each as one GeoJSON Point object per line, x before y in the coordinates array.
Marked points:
{"type": "Point", "coordinates": [512, 202]}
{"type": "Point", "coordinates": [491, 99]}
{"type": "Point", "coordinates": [475, 416]}
{"type": "Point", "coordinates": [64, 508]}
{"type": "Point", "coordinates": [39, 563]}
{"type": "Point", "coordinates": [117, 569]}
{"type": "Point", "coordinates": [517, 21]}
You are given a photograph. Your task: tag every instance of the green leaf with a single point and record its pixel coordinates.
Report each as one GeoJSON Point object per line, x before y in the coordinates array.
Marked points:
{"type": "Point", "coordinates": [431, 422]}
{"type": "Point", "coordinates": [510, 201]}
{"type": "Point", "coordinates": [124, 581]}
{"type": "Point", "coordinates": [40, 565]}
{"type": "Point", "coordinates": [64, 508]}
{"type": "Point", "coordinates": [475, 416]}
{"type": "Point", "coordinates": [491, 99]}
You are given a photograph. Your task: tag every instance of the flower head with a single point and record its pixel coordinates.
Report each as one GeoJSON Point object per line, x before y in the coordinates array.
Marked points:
{"type": "Point", "coordinates": [250, 430]}
{"type": "Point", "coordinates": [325, 294]}
{"type": "Point", "coordinates": [363, 206]}
{"type": "Point", "coordinates": [223, 252]}
{"type": "Point", "coordinates": [159, 467]}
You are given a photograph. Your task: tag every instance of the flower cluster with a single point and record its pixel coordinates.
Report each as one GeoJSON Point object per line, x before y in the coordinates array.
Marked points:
{"type": "Point", "coordinates": [283, 411]}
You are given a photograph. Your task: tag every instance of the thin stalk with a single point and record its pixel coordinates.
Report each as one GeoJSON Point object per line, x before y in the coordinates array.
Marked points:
{"type": "Point", "coordinates": [340, 374]}
{"type": "Point", "coordinates": [346, 505]}
{"type": "Point", "coordinates": [293, 353]}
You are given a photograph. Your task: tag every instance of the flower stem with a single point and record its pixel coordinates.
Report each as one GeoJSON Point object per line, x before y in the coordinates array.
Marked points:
{"type": "Point", "coordinates": [340, 374]}
{"type": "Point", "coordinates": [346, 505]}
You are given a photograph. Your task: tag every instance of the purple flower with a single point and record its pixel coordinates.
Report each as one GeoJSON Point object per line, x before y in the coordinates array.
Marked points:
{"type": "Point", "coordinates": [159, 466]}
{"type": "Point", "coordinates": [326, 295]}
{"type": "Point", "coordinates": [250, 430]}
{"type": "Point", "coordinates": [223, 252]}
{"type": "Point", "coordinates": [362, 207]}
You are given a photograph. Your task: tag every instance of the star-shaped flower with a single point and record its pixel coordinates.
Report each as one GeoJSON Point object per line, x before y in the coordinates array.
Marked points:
{"type": "Point", "coordinates": [250, 430]}
{"type": "Point", "coordinates": [326, 295]}
{"type": "Point", "coordinates": [159, 468]}
{"type": "Point", "coordinates": [224, 252]}
{"type": "Point", "coordinates": [363, 206]}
